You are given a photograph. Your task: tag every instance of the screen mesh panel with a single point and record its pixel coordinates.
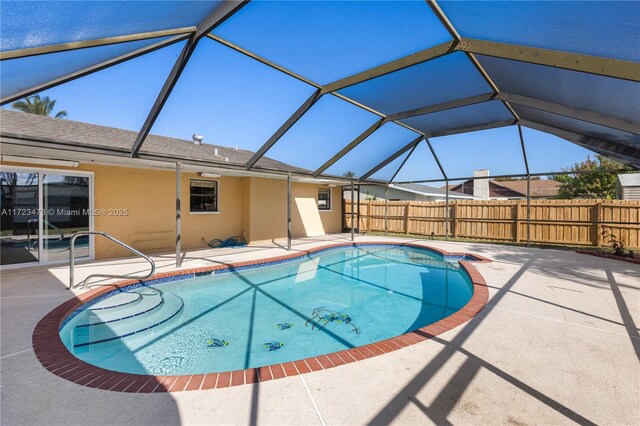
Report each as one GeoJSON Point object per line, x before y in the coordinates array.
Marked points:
{"type": "Point", "coordinates": [459, 118]}
{"type": "Point", "coordinates": [40, 23]}
{"type": "Point", "coordinates": [230, 99]}
{"type": "Point", "coordinates": [599, 28]}
{"type": "Point", "coordinates": [432, 82]}
{"type": "Point", "coordinates": [329, 40]}
{"type": "Point", "coordinates": [386, 173]}
{"type": "Point", "coordinates": [539, 145]}
{"type": "Point", "coordinates": [24, 73]}
{"type": "Point", "coordinates": [609, 96]}
{"type": "Point", "coordinates": [420, 166]}
{"type": "Point", "coordinates": [325, 129]}
{"type": "Point", "coordinates": [104, 97]}
{"type": "Point", "coordinates": [578, 126]}
{"type": "Point", "coordinates": [496, 150]}
{"type": "Point", "coordinates": [383, 143]}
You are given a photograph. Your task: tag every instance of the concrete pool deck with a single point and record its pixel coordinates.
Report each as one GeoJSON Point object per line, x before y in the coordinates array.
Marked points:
{"type": "Point", "coordinates": [557, 343]}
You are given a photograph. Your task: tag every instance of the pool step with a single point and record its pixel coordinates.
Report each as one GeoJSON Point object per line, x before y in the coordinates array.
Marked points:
{"type": "Point", "coordinates": [88, 333]}
{"type": "Point", "coordinates": [145, 303]}
{"type": "Point", "coordinates": [117, 301]}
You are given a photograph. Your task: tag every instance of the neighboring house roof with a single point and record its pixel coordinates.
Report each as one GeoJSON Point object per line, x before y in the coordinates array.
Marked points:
{"type": "Point", "coordinates": [538, 188]}
{"type": "Point", "coordinates": [495, 191]}
{"type": "Point", "coordinates": [48, 129]}
{"type": "Point", "coordinates": [631, 179]}
{"type": "Point", "coordinates": [542, 188]}
{"type": "Point", "coordinates": [429, 190]}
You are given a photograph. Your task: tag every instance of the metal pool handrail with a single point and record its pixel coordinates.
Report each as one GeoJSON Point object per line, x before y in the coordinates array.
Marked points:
{"type": "Point", "coordinates": [104, 234]}
{"type": "Point", "coordinates": [46, 222]}
{"type": "Point", "coordinates": [29, 222]}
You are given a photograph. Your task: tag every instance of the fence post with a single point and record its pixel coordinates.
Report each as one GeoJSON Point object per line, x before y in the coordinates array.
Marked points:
{"type": "Point", "coordinates": [368, 216]}
{"type": "Point", "coordinates": [454, 217]}
{"type": "Point", "coordinates": [446, 211]}
{"type": "Point", "coordinates": [528, 209]}
{"type": "Point", "coordinates": [352, 210]}
{"type": "Point", "coordinates": [386, 212]}
{"type": "Point", "coordinates": [597, 217]}
{"type": "Point", "coordinates": [358, 206]}
{"type": "Point", "coordinates": [406, 217]}
{"type": "Point", "coordinates": [516, 229]}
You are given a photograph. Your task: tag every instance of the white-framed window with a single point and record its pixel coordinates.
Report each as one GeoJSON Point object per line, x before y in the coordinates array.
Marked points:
{"type": "Point", "coordinates": [324, 199]}
{"type": "Point", "coordinates": [203, 196]}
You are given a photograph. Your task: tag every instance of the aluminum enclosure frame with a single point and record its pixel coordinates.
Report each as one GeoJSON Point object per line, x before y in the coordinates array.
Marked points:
{"type": "Point", "coordinates": [606, 67]}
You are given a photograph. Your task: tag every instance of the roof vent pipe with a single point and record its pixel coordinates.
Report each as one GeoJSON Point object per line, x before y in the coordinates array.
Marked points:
{"type": "Point", "coordinates": [215, 151]}
{"type": "Point", "coordinates": [197, 139]}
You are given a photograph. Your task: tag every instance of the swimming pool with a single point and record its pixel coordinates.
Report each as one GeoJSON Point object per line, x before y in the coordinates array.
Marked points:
{"type": "Point", "coordinates": [252, 316]}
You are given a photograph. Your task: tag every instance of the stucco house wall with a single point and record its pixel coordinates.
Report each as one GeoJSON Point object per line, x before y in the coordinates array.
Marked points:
{"type": "Point", "coordinates": [255, 208]}
{"type": "Point", "coordinates": [265, 207]}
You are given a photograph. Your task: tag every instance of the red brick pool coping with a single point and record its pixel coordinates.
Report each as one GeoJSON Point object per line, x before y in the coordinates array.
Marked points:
{"type": "Point", "coordinates": [55, 357]}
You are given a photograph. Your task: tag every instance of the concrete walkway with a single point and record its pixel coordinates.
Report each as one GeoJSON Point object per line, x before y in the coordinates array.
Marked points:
{"type": "Point", "coordinates": [558, 343]}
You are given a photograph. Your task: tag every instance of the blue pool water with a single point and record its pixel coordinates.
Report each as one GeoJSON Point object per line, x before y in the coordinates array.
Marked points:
{"type": "Point", "coordinates": [330, 301]}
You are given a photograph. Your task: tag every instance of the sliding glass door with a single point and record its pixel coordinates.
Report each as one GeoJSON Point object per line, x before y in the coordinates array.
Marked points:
{"type": "Point", "coordinates": [66, 210]}
{"type": "Point", "coordinates": [19, 223]}
{"type": "Point", "coordinates": [40, 212]}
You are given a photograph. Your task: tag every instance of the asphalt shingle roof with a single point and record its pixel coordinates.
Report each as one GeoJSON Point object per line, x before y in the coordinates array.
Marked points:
{"type": "Point", "coordinates": [56, 130]}
{"type": "Point", "coordinates": [515, 188]}
{"type": "Point", "coordinates": [539, 187]}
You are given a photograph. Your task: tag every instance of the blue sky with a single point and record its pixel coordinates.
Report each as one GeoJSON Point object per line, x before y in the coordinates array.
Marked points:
{"type": "Point", "coordinates": [235, 101]}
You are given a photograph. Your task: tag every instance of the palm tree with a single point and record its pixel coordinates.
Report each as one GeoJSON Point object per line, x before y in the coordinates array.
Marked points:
{"type": "Point", "coordinates": [35, 105]}
{"type": "Point", "coordinates": [349, 174]}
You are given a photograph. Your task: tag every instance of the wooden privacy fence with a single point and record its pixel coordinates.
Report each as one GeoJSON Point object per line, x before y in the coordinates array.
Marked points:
{"type": "Point", "coordinates": [578, 222]}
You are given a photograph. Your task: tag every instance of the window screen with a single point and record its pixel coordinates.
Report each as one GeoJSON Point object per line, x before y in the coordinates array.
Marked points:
{"type": "Point", "coordinates": [203, 196]}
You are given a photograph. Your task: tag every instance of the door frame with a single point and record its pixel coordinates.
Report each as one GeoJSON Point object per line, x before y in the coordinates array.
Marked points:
{"type": "Point", "coordinates": [65, 172]}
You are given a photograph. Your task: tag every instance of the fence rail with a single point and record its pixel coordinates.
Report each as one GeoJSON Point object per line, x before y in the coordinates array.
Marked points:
{"type": "Point", "coordinates": [578, 222]}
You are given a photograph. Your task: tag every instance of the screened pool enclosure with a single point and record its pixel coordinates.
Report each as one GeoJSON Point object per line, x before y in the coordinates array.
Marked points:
{"type": "Point", "coordinates": [374, 91]}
